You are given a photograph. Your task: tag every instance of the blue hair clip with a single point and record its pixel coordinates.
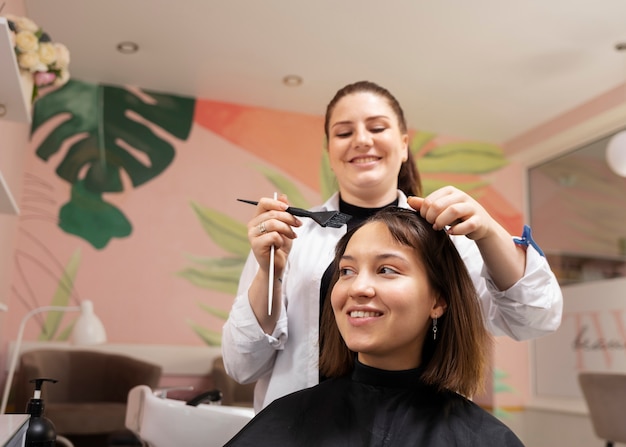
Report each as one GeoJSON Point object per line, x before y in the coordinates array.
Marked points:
{"type": "Point", "coordinates": [527, 239]}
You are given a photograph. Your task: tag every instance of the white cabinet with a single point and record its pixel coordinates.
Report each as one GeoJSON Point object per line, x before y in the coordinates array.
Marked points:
{"type": "Point", "coordinates": [14, 105]}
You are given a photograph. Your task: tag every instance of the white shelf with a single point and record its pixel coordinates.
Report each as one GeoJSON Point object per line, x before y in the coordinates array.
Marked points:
{"type": "Point", "coordinates": [14, 105]}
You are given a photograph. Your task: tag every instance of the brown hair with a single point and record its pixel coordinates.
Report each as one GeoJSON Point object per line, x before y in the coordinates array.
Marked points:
{"type": "Point", "coordinates": [409, 181]}
{"type": "Point", "coordinates": [457, 359]}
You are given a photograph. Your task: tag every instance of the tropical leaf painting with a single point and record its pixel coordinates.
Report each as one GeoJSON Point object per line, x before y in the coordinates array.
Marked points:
{"type": "Point", "coordinates": [105, 125]}
{"type": "Point", "coordinates": [458, 163]}
{"type": "Point", "coordinates": [500, 386]}
{"type": "Point", "coordinates": [51, 329]}
{"type": "Point", "coordinates": [222, 274]}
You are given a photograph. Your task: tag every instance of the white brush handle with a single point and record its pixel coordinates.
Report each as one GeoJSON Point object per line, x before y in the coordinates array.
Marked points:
{"type": "Point", "coordinates": [270, 287]}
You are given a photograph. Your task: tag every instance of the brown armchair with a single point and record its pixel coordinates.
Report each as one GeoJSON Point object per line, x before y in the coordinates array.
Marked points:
{"type": "Point", "coordinates": [233, 393]}
{"type": "Point", "coordinates": [92, 389]}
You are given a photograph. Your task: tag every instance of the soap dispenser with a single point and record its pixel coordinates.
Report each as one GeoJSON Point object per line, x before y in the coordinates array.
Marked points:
{"type": "Point", "coordinates": [41, 431]}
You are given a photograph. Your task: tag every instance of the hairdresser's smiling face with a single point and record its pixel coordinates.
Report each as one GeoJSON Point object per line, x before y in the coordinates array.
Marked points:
{"type": "Point", "coordinates": [366, 149]}
{"type": "Point", "coordinates": [382, 301]}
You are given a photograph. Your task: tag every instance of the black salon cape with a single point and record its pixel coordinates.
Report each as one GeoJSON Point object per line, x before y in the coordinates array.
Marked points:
{"type": "Point", "coordinates": [374, 408]}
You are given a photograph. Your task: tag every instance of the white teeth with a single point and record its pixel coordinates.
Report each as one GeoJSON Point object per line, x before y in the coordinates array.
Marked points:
{"type": "Point", "coordinates": [365, 160]}
{"type": "Point", "coordinates": [363, 314]}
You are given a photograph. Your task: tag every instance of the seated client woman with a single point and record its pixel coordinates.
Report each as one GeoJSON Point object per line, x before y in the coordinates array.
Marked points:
{"type": "Point", "coordinates": [403, 343]}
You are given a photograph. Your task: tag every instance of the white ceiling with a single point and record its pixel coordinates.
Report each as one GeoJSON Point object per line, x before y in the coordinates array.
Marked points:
{"type": "Point", "coordinates": [484, 69]}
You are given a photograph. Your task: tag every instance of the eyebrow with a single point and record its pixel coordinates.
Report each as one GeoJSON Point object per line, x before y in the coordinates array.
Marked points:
{"type": "Point", "coordinates": [380, 257]}
{"type": "Point", "coordinates": [370, 118]}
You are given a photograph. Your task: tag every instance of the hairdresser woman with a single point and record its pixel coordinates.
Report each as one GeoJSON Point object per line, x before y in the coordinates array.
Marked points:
{"type": "Point", "coordinates": [369, 155]}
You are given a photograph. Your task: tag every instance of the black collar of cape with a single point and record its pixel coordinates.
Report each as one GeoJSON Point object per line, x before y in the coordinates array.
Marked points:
{"type": "Point", "coordinates": [369, 375]}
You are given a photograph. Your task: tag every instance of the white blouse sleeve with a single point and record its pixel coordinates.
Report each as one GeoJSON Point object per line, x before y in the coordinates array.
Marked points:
{"type": "Point", "coordinates": [248, 352]}
{"type": "Point", "coordinates": [530, 308]}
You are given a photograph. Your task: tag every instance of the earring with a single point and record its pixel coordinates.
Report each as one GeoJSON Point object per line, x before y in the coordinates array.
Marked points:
{"type": "Point", "coordinates": [435, 328]}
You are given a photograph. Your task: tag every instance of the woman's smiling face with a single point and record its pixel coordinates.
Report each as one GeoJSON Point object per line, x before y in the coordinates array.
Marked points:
{"type": "Point", "coordinates": [382, 301]}
{"type": "Point", "coordinates": [366, 149]}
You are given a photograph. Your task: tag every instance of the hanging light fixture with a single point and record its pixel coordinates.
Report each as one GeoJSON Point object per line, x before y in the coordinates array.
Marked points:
{"type": "Point", "coordinates": [616, 147]}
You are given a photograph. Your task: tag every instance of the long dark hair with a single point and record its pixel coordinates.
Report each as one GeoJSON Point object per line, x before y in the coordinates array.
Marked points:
{"type": "Point", "coordinates": [457, 359]}
{"type": "Point", "coordinates": [409, 181]}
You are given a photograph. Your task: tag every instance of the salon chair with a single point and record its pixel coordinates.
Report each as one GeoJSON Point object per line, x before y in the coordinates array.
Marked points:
{"type": "Point", "coordinates": [89, 400]}
{"type": "Point", "coordinates": [605, 395]}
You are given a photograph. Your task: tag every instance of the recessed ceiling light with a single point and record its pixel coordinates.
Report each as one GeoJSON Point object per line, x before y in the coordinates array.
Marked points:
{"type": "Point", "coordinates": [127, 47]}
{"type": "Point", "coordinates": [292, 80]}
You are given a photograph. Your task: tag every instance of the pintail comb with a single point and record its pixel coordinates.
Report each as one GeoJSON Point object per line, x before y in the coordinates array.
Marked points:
{"type": "Point", "coordinates": [333, 219]}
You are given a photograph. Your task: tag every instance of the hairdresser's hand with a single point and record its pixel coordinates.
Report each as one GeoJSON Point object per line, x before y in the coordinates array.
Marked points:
{"type": "Point", "coordinates": [505, 261]}
{"type": "Point", "coordinates": [449, 206]}
{"type": "Point", "coordinates": [272, 226]}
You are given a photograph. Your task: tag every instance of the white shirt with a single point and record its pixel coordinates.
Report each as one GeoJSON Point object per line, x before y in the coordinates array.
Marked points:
{"type": "Point", "coordinates": [287, 360]}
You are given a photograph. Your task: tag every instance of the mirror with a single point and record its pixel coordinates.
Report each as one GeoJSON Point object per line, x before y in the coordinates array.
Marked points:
{"type": "Point", "coordinates": [578, 214]}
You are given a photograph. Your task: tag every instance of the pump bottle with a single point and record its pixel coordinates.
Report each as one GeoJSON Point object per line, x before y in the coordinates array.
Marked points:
{"type": "Point", "coordinates": [41, 431]}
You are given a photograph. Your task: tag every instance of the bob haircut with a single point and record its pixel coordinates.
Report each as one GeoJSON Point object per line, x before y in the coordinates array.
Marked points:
{"type": "Point", "coordinates": [457, 359]}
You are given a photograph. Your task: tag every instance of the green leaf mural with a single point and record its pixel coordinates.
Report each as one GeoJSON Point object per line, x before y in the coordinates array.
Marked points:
{"type": "Point", "coordinates": [222, 274]}
{"type": "Point", "coordinates": [500, 386]}
{"type": "Point", "coordinates": [285, 186]}
{"type": "Point", "coordinates": [229, 234]}
{"type": "Point", "coordinates": [219, 274]}
{"type": "Point", "coordinates": [211, 338]}
{"type": "Point", "coordinates": [104, 124]}
{"type": "Point", "coordinates": [420, 140]}
{"type": "Point", "coordinates": [432, 184]}
{"type": "Point", "coordinates": [62, 295]}
{"type": "Point", "coordinates": [465, 157]}
{"type": "Point", "coordinates": [88, 216]}
{"type": "Point", "coordinates": [328, 180]}
{"type": "Point", "coordinates": [439, 164]}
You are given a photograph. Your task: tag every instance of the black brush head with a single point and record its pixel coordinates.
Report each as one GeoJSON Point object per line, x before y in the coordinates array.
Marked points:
{"type": "Point", "coordinates": [338, 220]}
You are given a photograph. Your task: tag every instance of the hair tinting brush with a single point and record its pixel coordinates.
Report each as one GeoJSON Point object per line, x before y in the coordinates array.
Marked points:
{"type": "Point", "coordinates": [333, 219]}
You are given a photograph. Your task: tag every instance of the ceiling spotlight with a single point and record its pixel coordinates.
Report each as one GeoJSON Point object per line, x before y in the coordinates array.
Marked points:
{"type": "Point", "coordinates": [127, 47]}
{"type": "Point", "coordinates": [292, 80]}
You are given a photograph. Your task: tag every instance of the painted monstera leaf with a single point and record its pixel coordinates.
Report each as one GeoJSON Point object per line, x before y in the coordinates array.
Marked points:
{"type": "Point", "coordinates": [106, 134]}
